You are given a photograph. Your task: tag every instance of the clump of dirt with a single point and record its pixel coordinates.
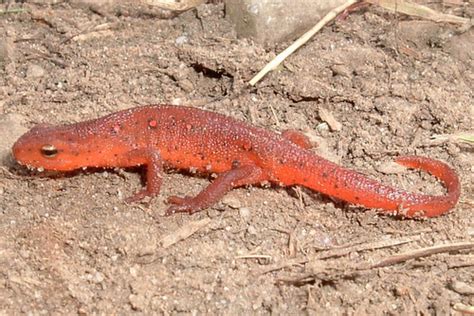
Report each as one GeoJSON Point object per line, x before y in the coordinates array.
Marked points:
{"type": "Point", "coordinates": [71, 245]}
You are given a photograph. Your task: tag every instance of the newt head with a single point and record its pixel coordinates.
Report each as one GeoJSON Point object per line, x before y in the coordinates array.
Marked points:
{"type": "Point", "coordinates": [60, 148]}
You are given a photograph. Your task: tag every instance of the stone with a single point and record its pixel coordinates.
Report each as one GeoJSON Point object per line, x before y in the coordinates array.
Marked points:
{"type": "Point", "coordinates": [273, 21]}
{"type": "Point", "coordinates": [6, 50]}
{"type": "Point", "coordinates": [35, 71]}
{"type": "Point", "coordinates": [11, 129]}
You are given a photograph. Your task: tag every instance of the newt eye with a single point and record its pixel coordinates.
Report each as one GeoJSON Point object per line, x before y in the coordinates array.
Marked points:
{"type": "Point", "coordinates": [49, 151]}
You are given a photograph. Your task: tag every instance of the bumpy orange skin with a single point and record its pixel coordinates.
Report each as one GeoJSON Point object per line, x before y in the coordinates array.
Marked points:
{"type": "Point", "coordinates": [187, 138]}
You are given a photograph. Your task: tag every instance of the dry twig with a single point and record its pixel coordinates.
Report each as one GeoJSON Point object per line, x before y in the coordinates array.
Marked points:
{"type": "Point", "coordinates": [343, 251]}
{"type": "Point", "coordinates": [268, 257]}
{"type": "Point", "coordinates": [464, 309]}
{"type": "Point", "coordinates": [423, 252]}
{"type": "Point", "coordinates": [173, 5]}
{"type": "Point", "coordinates": [339, 252]}
{"type": "Point", "coordinates": [183, 232]}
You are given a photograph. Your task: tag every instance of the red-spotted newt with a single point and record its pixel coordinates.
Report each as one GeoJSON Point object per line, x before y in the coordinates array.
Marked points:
{"type": "Point", "coordinates": [159, 136]}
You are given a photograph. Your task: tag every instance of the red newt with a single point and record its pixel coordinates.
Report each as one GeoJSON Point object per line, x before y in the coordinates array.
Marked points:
{"type": "Point", "coordinates": [159, 136]}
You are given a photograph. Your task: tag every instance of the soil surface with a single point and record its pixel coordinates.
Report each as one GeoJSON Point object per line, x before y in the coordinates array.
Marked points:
{"type": "Point", "coordinates": [69, 244]}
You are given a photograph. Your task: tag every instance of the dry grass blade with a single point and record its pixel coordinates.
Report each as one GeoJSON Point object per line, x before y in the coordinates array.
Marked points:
{"type": "Point", "coordinates": [282, 265]}
{"type": "Point", "coordinates": [183, 232]}
{"type": "Point", "coordinates": [12, 11]}
{"type": "Point", "coordinates": [300, 41]}
{"type": "Point", "coordinates": [423, 252]}
{"type": "Point", "coordinates": [464, 309]}
{"type": "Point", "coordinates": [419, 10]}
{"type": "Point", "coordinates": [175, 5]}
{"type": "Point", "coordinates": [104, 29]}
{"type": "Point", "coordinates": [268, 257]}
{"type": "Point", "coordinates": [466, 137]}
{"type": "Point", "coordinates": [327, 117]}
{"type": "Point", "coordinates": [339, 252]}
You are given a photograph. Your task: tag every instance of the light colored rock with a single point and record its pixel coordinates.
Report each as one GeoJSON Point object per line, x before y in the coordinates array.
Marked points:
{"type": "Point", "coordinates": [245, 213]}
{"type": "Point", "coordinates": [273, 21]}
{"type": "Point", "coordinates": [231, 201]}
{"type": "Point", "coordinates": [6, 50]}
{"type": "Point", "coordinates": [11, 129]}
{"type": "Point", "coordinates": [35, 71]}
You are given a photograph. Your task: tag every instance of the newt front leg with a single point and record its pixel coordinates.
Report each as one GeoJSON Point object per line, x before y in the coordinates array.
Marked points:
{"type": "Point", "coordinates": [151, 158]}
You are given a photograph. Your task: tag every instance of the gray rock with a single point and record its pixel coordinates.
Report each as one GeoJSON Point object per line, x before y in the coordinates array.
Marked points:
{"type": "Point", "coordinates": [270, 21]}
{"type": "Point", "coordinates": [6, 50]}
{"type": "Point", "coordinates": [11, 129]}
{"type": "Point", "coordinates": [35, 71]}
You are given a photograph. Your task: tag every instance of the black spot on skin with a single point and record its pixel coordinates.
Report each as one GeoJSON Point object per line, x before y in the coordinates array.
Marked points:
{"type": "Point", "coordinates": [336, 186]}
{"type": "Point", "coordinates": [324, 175]}
{"type": "Point", "coordinates": [357, 198]}
{"type": "Point", "coordinates": [235, 164]}
{"type": "Point", "coordinates": [280, 161]}
{"type": "Point", "coordinates": [69, 139]}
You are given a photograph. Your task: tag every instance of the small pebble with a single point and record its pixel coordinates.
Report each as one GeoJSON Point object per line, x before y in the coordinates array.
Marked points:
{"type": "Point", "coordinates": [245, 213]}
{"type": "Point", "coordinates": [232, 202]}
{"type": "Point", "coordinates": [180, 40]}
{"type": "Point", "coordinates": [391, 167]}
{"type": "Point", "coordinates": [35, 71]}
{"type": "Point", "coordinates": [341, 70]}
{"type": "Point", "coordinates": [462, 287]}
{"type": "Point", "coordinates": [6, 50]}
{"type": "Point", "coordinates": [251, 230]}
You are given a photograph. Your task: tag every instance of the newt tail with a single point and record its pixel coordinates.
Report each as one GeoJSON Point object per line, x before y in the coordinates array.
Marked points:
{"type": "Point", "coordinates": [185, 138]}
{"type": "Point", "coordinates": [358, 189]}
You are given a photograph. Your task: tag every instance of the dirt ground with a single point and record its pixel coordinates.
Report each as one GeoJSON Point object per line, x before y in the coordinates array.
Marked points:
{"type": "Point", "coordinates": [71, 245]}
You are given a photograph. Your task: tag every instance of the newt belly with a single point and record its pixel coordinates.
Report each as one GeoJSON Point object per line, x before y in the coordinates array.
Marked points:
{"type": "Point", "coordinates": [159, 136]}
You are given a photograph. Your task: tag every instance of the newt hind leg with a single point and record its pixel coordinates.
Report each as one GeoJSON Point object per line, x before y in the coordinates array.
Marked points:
{"type": "Point", "coordinates": [236, 177]}
{"type": "Point", "coordinates": [298, 138]}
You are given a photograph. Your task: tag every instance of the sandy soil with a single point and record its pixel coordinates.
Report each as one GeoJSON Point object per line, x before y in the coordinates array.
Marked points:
{"type": "Point", "coordinates": [71, 245]}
